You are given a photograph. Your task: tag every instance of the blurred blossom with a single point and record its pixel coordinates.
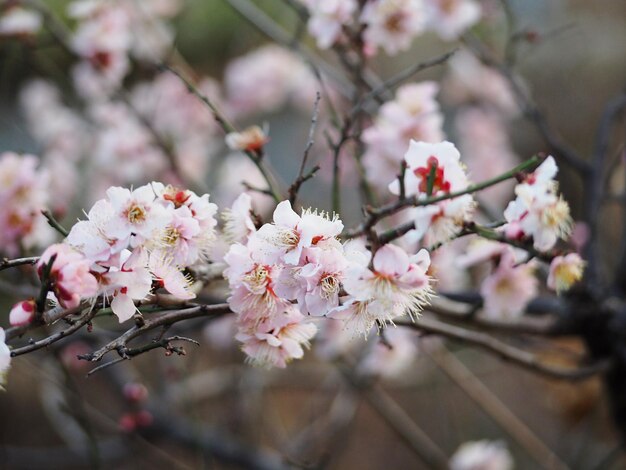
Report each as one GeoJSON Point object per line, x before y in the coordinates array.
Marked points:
{"type": "Point", "coordinates": [391, 355]}
{"type": "Point", "coordinates": [468, 80]}
{"type": "Point", "coordinates": [413, 114]}
{"type": "Point", "coordinates": [18, 21]}
{"type": "Point", "coordinates": [392, 24]}
{"type": "Point", "coordinates": [484, 142]}
{"type": "Point", "coordinates": [451, 18]}
{"type": "Point", "coordinates": [24, 193]}
{"type": "Point", "coordinates": [482, 455]}
{"type": "Point", "coordinates": [509, 288]}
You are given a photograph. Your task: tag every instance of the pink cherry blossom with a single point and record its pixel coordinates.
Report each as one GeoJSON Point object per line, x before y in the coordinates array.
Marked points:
{"type": "Point", "coordinates": [251, 139]}
{"type": "Point", "coordinates": [396, 285]}
{"type": "Point", "coordinates": [129, 281]}
{"type": "Point", "coordinates": [321, 279]}
{"type": "Point", "coordinates": [23, 195]}
{"type": "Point", "coordinates": [170, 276]}
{"type": "Point", "coordinates": [70, 275]}
{"type": "Point", "coordinates": [290, 233]}
{"type": "Point", "coordinates": [238, 223]}
{"type": "Point", "coordinates": [136, 216]}
{"type": "Point", "coordinates": [252, 284]}
{"type": "Point", "coordinates": [509, 288]}
{"type": "Point", "coordinates": [279, 341]}
{"type": "Point", "coordinates": [413, 114]}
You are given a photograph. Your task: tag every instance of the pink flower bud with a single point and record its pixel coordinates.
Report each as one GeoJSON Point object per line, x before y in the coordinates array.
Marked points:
{"type": "Point", "coordinates": [22, 313]}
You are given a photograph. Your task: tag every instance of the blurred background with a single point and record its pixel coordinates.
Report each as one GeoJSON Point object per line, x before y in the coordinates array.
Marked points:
{"type": "Point", "coordinates": [209, 409]}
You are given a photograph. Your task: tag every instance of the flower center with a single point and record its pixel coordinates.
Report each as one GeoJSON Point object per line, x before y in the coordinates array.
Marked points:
{"type": "Point", "coordinates": [394, 22]}
{"type": "Point", "coordinates": [557, 217]}
{"type": "Point", "coordinates": [258, 278]}
{"type": "Point", "coordinates": [136, 214]}
{"type": "Point", "coordinates": [329, 285]}
{"type": "Point", "coordinates": [433, 172]}
{"type": "Point", "coordinates": [171, 236]}
{"type": "Point", "coordinates": [288, 238]}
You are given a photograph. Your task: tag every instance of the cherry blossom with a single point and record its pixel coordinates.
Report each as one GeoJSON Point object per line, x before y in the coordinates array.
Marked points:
{"type": "Point", "coordinates": [5, 358]}
{"type": "Point", "coordinates": [23, 195]}
{"type": "Point", "coordinates": [290, 233]}
{"type": "Point", "coordinates": [251, 139]}
{"type": "Point", "coordinates": [252, 284]}
{"type": "Point", "coordinates": [435, 170]}
{"type": "Point", "coordinates": [392, 355]}
{"type": "Point", "coordinates": [414, 113]}
{"type": "Point", "coordinates": [136, 217]}
{"type": "Point", "coordinates": [397, 284]}
{"type": "Point", "coordinates": [328, 17]}
{"type": "Point", "coordinates": [129, 281]}
{"type": "Point", "coordinates": [169, 275]}
{"type": "Point", "coordinates": [486, 455]}
{"type": "Point", "coordinates": [16, 21]}
{"type": "Point", "coordinates": [565, 271]}
{"type": "Point", "coordinates": [70, 276]}
{"type": "Point", "coordinates": [392, 24]}
{"type": "Point", "coordinates": [509, 288]}
{"type": "Point", "coordinates": [451, 18]}
{"type": "Point", "coordinates": [538, 211]}
{"type": "Point", "coordinates": [278, 341]}
{"type": "Point", "coordinates": [238, 223]}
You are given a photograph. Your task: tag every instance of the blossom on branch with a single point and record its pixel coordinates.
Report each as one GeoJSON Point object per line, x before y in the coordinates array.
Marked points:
{"type": "Point", "coordinates": [436, 170]}
{"type": "Point", "coordinates": [565, 271]}
{"type": "Point", "coordinates": [538, 211]}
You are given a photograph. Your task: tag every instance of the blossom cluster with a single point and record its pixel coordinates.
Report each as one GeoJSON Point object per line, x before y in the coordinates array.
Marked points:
{"type": "Point", "coordinates": [296, 267]}
{"type": "Point", "coordinates": [131, 243]}
{"type": "Point", "coordinates": [388, 24]}
{"type": "Point", "coordinates": [539, 211]}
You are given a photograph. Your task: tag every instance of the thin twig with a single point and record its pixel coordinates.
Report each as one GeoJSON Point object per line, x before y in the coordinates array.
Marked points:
{"type": "Point", "coordinates": [56, 336]}
{"type": "Point", "coordinates": [120, 344]}
{"type": "Point", "coordinates": [517, 356]}
{"type": "Point", "coordinates": [54, 223]}
{"type": "Point", "coordinates": [376, 214]}
{"type": "Point", "coordinates": [6, 263]}
{"type": "Point", "coordinates": [399, 78]}
{"type": "Point", "coordinates": [228, 127]}
{"type": "Point", "coordinates": [295, 187]}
